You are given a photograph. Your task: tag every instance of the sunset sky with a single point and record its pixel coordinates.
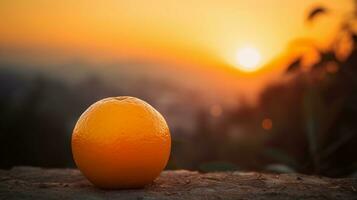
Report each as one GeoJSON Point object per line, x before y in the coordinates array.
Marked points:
{"type": "Point", "coordinates": [204, 34]}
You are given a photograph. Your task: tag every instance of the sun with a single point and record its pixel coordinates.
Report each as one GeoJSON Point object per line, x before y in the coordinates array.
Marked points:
{"type": "Point", "coordinates": [248, 59]}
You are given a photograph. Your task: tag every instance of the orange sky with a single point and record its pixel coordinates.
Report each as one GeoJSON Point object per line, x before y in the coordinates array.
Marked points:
{"type": "Point", "coordinates": [198, 33]}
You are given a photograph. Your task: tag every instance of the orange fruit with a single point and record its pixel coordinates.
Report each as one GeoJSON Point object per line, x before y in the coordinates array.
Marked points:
{"type": "Point", "coordinates": [121, 142]}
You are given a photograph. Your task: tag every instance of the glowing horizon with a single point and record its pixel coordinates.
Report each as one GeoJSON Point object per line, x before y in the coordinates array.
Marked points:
{"type": "Point", "coordinates": [197, 37]}
{"type": "Point", "coordinates": [210, 31]}
{"type": "Point", "coordinates": [248, 59]}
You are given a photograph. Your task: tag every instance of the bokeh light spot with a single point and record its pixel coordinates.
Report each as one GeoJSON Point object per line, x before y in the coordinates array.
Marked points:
{"type": "Point", "coordinates": [267, 124]}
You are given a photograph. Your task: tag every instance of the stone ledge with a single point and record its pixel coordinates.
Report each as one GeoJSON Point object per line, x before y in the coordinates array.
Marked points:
{"type": "Point", "coordinates": [38, 183]}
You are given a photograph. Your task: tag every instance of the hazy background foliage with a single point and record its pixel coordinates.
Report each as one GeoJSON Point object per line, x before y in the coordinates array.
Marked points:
{"type": "Point", "coordinates": [305, 122]}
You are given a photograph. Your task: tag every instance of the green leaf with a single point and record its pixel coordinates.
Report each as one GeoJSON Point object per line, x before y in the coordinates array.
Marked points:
{"type": "Point", "coordinates": [310, 115]}
{"type": "Point", "coordinates": [279, 168]}
{"type": "Point", "coordinates": [282, 157]}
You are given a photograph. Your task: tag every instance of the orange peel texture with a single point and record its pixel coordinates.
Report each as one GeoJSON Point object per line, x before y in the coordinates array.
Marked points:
{"type": "Point", "coordinates": [121, 142]}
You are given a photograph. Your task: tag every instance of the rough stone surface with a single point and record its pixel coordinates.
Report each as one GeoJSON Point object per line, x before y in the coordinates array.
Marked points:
{"type": "Point", "coordinates": [38, 183]}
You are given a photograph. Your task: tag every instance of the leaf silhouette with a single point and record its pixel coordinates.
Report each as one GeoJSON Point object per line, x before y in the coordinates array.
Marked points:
{"type": "Point", "coordinates": [328, 57]}
{"type": "Point", "coordinates": [294, 65]}
{"type": "Point", "coordinates": [316, 12]}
